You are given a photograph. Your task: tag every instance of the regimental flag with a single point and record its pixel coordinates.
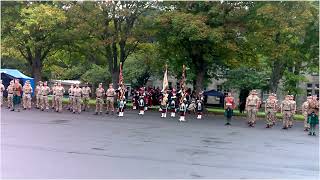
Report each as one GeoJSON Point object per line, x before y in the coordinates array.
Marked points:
{"type": "Point", "coordinates": [165, 83]}
{"type": "Point", "coordinates": [183, 80]}
{"type": "Point", "coordinates": [120, 75]}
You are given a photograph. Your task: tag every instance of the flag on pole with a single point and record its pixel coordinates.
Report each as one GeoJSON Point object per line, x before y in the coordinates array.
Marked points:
{"type": "Point", "coordinates": [183, 81]}
{"type": "Point", "coordinates": [165, 83]}
{"type": "Point", "coordinates": [120, 75]}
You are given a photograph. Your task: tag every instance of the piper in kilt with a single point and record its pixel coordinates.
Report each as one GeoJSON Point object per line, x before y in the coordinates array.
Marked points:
{"type": "Point", "coordinates": [141, 103]}
{"type": "Point", "coordinates": [183, 109]}
{"type": "Point", "coordinates": [173, 103]}
{"type": "Point", "coordinates": [313, 112]}
{"type": "Point", "coordinates": [164, 104]}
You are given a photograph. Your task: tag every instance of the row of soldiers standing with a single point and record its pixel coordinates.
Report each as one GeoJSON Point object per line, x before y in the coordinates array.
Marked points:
{"type": "Point", "coordinates": [288, 108]}
{"type": "Point", "coordinates": [78, 97]}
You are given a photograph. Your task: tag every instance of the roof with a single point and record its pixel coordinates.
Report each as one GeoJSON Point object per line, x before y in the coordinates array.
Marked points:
{"type": "Point", "coordinates": [213, 93]}
{"type": "Point", "coordinates": [15, 73]}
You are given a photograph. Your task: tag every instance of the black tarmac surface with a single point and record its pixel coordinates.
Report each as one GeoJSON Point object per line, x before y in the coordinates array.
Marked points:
{"type": "Point", "coordinates": [46, 145]}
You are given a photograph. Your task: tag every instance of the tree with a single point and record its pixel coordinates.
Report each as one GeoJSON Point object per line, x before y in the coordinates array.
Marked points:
{"type": "Point", "coordinates": [35, 31]}
{"type": "Point", "coordinates": [199, 34]}
{"type": "Point", "coordinates": [279, 31]}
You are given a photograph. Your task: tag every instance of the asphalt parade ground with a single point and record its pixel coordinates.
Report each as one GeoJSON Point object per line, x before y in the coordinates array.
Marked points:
{"type": "Point", "coordinates": [47, 145]}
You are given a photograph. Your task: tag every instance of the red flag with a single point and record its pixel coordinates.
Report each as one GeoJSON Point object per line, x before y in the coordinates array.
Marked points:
{"type": "Point", "coordinates": [120, 75]}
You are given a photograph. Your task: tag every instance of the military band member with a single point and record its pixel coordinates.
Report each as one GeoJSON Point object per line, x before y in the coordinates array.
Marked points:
{"type": "Point", "coordinates": [110, 99]}
{"type": "Point", "coordinates": [183, 109]}
{"type": "Point", "coordinates": [45, 90]}
{"type": "Point", "coordinates": [86, 91]}
{"type": "Point", "coordinates": [164, 104]}
{"type": "Point", "coordinates": [26, 98]}
{"type": "Point", "coordinates": [99, 99]}
{"type": "Point", "coordinates": [135, 99]}
{"type": "Point", "coordinates": [270, 110]}
{"type": "Point", "coordinates": [294, 109]}
{"type": "Point", "coordinates": [173, 103]}
{"type": "Point", "coordinates": [121, 99]}
{"type": "Point", "coordinates": [252, 107]}
{"type": "Point", "coordinates": [199, 105]}
{"type": "Point", "coordinates": [313, 113]}
{"type": "Point", "coordinates": [141, 104]}
{"type": "Point", "coordinates": [71, 97]}
{"type": "Point", "coordinates": [54, 95]}
{"type": "Point", "coordinates": [17, 91]}
{"type": "Point", "coordinates": [38, 94]}
{"type": "Point", "coordinates": [10, 94]}
{"type": "Point", "coordinates": [229, 105]}
{"type": "Point", "coordinates": [304, 110]}
{"type": "Point", "coordinates": [77, 92]}
{"type": "Point", "coordinates": [59, 96]}
{"type": "Point", "coordinates": [286, 111]}
{"type": "Point", "coordinates": [2, 88]}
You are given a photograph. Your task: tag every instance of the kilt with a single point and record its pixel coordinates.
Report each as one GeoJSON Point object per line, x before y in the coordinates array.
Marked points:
{"type": "Point", "coordinates": [228, 113]}
{"type": "Point", "coordinates": [16, 99]}
{"type": "Point", "coordinates": [313, 119]}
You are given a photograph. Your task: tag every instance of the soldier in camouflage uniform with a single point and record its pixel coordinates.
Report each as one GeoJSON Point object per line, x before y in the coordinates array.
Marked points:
{"type": "Point", "coordinates": [294, 109]}
{"type": "Point", "coordinates": [70, 91]}
{"type": "Point", "coordinates": [38, 94]}
{"type": "Point", "coordinates": [286, 110]}
{"type": "Point", "coordinates": [99, 99]}
{"type": "Point", "coordinates": [313, 114]}
{"type": "Point", "coordinates": [77, 92]}
{"type": "Point", "coordinates": [45, 90]}
{"type": "Point", "coordinates": [54, 95]}
{"type": "Point", "coordinates": [2, 88]}
{"type": "Point", "coordinates": [252, 107]}
{"type": "Point", "coordinates": [26, 98]}
{"type": "Point", "coordinates": [59, 96]}
{"type": "Point", "coordinates": [270, 110]}
{"type": "Point", "coordinates": [10, 95]}
{"type": "Point", "coordinates": [86, 91]}
{"type": "Point", "coordinates": [110, 93]}
{"type": "Point", "coordinates": [304, 110]}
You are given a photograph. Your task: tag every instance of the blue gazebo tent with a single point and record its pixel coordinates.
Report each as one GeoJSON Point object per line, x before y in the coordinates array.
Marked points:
{"type": "Point", "coordinates": [216, 94]}
{"type": "Point", "coordinates": [9, 74]}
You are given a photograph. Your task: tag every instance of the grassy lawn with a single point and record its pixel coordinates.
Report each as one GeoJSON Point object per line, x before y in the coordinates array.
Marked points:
{"type": "Point", "coordinates": [220, 111]}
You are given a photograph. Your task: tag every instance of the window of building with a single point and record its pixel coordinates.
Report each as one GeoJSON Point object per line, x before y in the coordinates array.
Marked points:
{"type": "Point", "coordinates": [316, 93]}
{"type": "Point", "coordinates": [309, 85]}
{"type": "Point", "coordinates": [309, 92]}
{"type": "Point", "coordinates": [317, 86]}
{"type": "Point", "coordinates": [219, 88]}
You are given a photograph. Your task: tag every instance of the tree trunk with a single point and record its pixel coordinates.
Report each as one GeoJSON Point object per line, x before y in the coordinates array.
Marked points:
{"type": "Point", "coordinates": [277, 73]}
{"type": "Point", "coordinates": [37, 66]}
{"type": "Point", "coordinates": [200, 81]}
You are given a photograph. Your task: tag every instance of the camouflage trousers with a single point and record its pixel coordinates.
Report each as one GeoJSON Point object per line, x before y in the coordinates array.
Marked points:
{"type": "Point", "coordinates": [270, 116]}
{"type": "Point", "coordinates": [110, 104]}
{"type": "Point", "coordinates": [26, 100]}
{"type": "Point", "coordinates": [85, 100]}
{"type": "Point", "coordinates": [77, 104]}
{"type": "Point", "coordinates": [58, 103]}
{"type": "Point", "coordinates": [291, 119]}
{"type": "Point", "coordinates": [38, 99]}
{"type": "Point", "coordinates": [71, 102]}
{"type": "Point", "coordinates": [252, 114]}
{"type": "Point", "coordinates": [286, 118]}
{"type": "Point", "coordinates": [10, 101]}
{"type": "Point", "coordinates": [53, 102]}
{"type": "Point", "coordinates": [99, 105]}
{"type": "Point", "coordinates": [306, 124]}
{"type": "Point", "coordinates": [44, 102]}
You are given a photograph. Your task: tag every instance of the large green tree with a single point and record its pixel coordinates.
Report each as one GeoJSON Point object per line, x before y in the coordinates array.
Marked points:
{"type": "Point", "coordinates": [201, 35]}
{"type": "Point", "coordinates": [33, 29]}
